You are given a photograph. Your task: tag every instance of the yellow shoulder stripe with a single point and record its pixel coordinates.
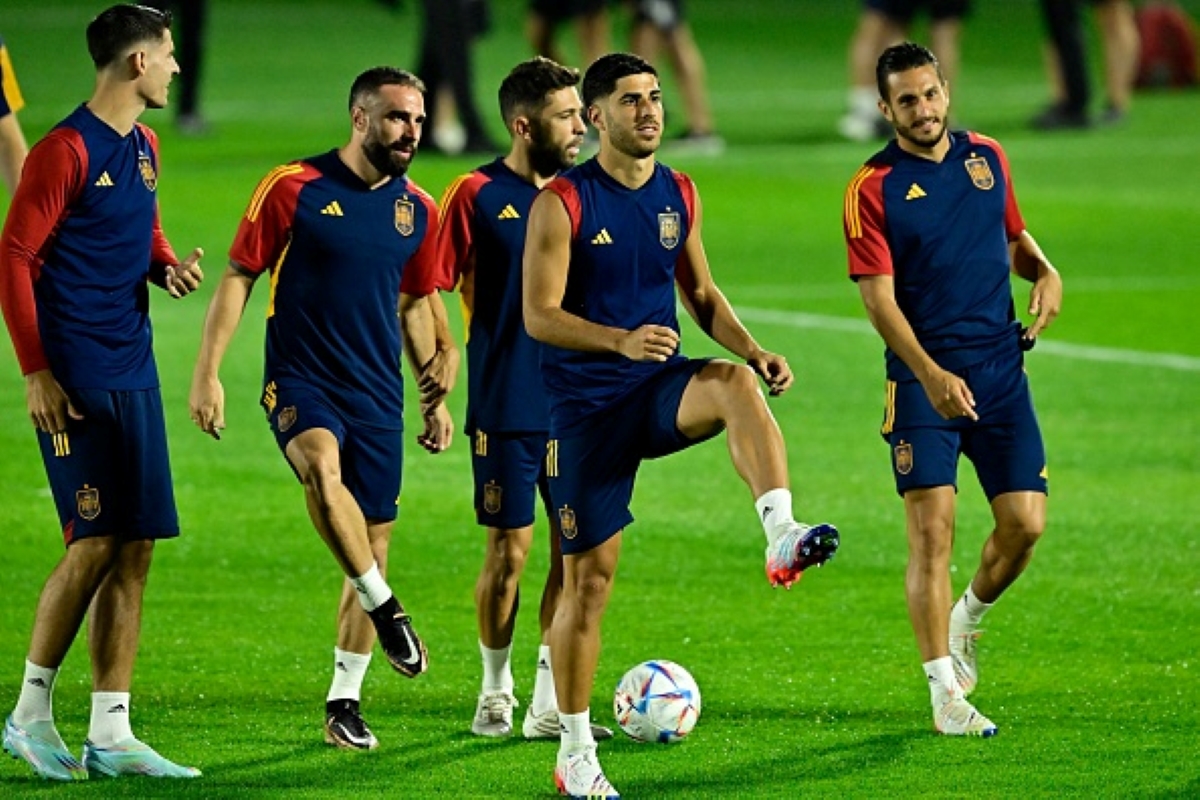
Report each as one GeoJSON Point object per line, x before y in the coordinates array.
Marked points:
{"type": "Point", "coordinates": [266, 184]}
{"type": "Point", "coordinates": [852, 211]}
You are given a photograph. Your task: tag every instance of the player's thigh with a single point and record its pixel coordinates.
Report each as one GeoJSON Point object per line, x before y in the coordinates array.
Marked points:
{"type": "Point", "coordinates": [507, 469]}
{"type": "Point", "coordinates": [1006, 444]}
{"type": "Point", "coordinates": [308, 430]}
{"type": "Point", "coordinates": [1008, 457]}
{"type": "Point", "coordinates": [110, 473]}
{"type": "Point", "coordinates": [924, 458]}
{"type": "Point", "coordinates": [591, 475]}
{"type": "Point", "coordinates": [712, 394]}
{"type": "Point", "coordinates": [372, 462]}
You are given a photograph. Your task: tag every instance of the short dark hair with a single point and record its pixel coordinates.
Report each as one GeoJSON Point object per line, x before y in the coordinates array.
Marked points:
{"type": "Point", "coordinates": [526, 87]}
{"type": "Point", "coordinates": [601, 77]}
{"type": "Point", "coordinates": [119, 28]}
{"type": "Point", "coordinates": [370, 82]}
{"type": "Point", "coordinates": [902, 58]}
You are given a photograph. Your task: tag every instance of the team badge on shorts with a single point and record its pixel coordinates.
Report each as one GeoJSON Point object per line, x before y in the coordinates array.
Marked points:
{"type": "Point", "coordinates": [286, 419]}
{"type": "Point", "coordinates": [406, 215]}
{"type": "Point", "coordinates": [492, 493]}
{"type": "Point", "coordinates": [904, 458]}
{"type": "Point", "coordinates": [668, 229]}
{"type": "Point", "coordinates": [147, 169]}
{"type": "Point", "coordinates": [87, 503]}
{"type": "Point", "coordinates": [980, 172]}
{"type": "Point", "coordinates": [566, 522]}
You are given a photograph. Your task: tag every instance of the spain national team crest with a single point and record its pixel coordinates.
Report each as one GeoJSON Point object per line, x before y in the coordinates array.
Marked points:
{"type": "Point", "coordinates": [566, 522]}
{"type": "Point", "coordinates": [286, 419]}
{"type": "Point", "coordinates": [149, 177]}
{"type": "Point", "coordinates": [492, 494]}
{"type": "Point", "coordinates": [87, 503]}
{"type": "Point", "coordinates": [980, 172]}
{"type": "Point", "coordinates": [904, 458]}
{"type": "Point", "coordinates": [406, 216]}
{"type": "Point", "coordinates": [668, 229]}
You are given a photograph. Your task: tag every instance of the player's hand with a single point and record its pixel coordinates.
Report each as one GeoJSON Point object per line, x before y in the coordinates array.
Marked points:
{"type": "Point", "coordinates": [437, 378]}
{"type": "Point", "coordinates": [185, 278]}
{"type": "Point", "coordinates": [439, 428]}
{"type": "Point", "coordinates": [772, 368]}
{"type": "Point", "coordinates": [950, 395]}
{"type": "Point", "coordinates": [206, 402]}
{"type": "Point", "coordinates": [649, 343]}
{"type": "Point", "coordinates": [49, 406]}
{"type": "Point", "coordinates": [1045, 300]}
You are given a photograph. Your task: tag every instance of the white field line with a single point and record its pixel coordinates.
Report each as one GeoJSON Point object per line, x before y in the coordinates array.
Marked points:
{"type": "Point", "coordinates": [1080, 352]}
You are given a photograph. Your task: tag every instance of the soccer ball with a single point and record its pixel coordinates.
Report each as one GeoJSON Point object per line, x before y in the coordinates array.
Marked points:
{"type": "Point", "coordinates": [657, 701]}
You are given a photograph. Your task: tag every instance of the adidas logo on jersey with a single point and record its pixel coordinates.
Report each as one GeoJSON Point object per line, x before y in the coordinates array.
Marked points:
{"type": "Point", "coordinates": [602, 237]}
{"type": "Point", "coordinates": [104, 180]}
{"type": "Point", "coordinates": [508, 212]}
{"type": "Point", "coordinates": [914, 193]}
{"type": "Point", "coordinates": [334, 209]}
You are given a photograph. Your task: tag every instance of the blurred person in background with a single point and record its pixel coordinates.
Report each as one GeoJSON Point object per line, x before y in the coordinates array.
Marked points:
{"type": "Point", "coordinates": [592, 27]}
{"type": "Point", "coordinates": [192, 16]}
{"type": "Point", "coordinates": [661, 25]}
{"type": "Point", "coordinates": [881, 24]}
{"type": "Point", "coordinates": [449, 29]}
{"type": "Point", "coordinates": [12, 141]}
{"type": "Point", "coordinates": [1067, 65]}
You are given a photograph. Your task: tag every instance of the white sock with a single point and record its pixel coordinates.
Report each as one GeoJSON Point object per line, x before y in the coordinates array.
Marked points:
{"type": "Point", "coordinates": [543, 684]}
{"type": "Point", "coordinates": [348, 672]}
{"type": "Point", "coordinates": [775, 511]}
{"type": "Point", "coordinates": [35, 703]}
{"type": "Point", "coordinates": [863, 101]}
{"type": "Point", "coordinates": [497, 670]}
{"type": "Point", "coordinates": [968, 611]}
{"type": "Point", "coordinates": [372, 589]}
{"type": "Point", "coordinates": [110, 719]}
{"type": "Point", "coordinates": [943, 686]}
{"type": "Point", "coordinates": [576, 732]}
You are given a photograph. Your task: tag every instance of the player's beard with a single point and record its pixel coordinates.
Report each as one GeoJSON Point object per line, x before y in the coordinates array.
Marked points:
{"type": "Point", "coordinates": [546, 157]}
{"type": "Point", "coordinates": [629, 142]}
{"type": "Point", "coordinates": [923, 140]}
{"type": "Point", "coordinates": [386, 158]}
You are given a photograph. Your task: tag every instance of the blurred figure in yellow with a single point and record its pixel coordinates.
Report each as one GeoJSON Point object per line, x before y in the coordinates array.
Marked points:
{"type": "Point", "coordinates": [12, 142]}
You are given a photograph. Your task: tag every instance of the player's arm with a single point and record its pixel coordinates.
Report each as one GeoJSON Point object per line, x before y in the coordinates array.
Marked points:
{"type": "Point", "coordinates": [206, 400]}
{"type": "Point", "coordinates": [167, 271]}
{"type": "Point", "coordinates": [436, 377]}
{"type": "Point", "coordinates": [547, 260]}
{"type": "Point", "coordinates": [1045, 298]}
{"type": "Point", "coordinates": [54, 174]}
{"type": "Point", "coordinates": [711, 310]}
{"type": "Point", "coordinates": [949, 394]}
{"type": "Point", "coordinates": [12, 151]}
{"type": "Point", "coordinates": [419, 333]}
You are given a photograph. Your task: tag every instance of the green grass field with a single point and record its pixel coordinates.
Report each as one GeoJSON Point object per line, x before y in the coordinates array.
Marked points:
{"type": "Point", "coordinates": [1090, 664]}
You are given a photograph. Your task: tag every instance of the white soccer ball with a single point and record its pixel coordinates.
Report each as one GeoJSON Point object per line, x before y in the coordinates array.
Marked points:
{"type": "Point", "coordinates": [657, 701]}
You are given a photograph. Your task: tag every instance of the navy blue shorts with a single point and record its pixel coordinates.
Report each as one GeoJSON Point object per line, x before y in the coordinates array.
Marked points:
{"type": "Point", "coordinates": [510, 471]}
{"type": "Point", "coordinates": [905, 10]}
{"type": "Point", "coordinates": [371, 457]}
{"type": "Point", "coordinates": [592, 471]}
{"type": "Point", "coordinates": [109, 472]}
{"type": "Point", "coordinates": [1005, 444]}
